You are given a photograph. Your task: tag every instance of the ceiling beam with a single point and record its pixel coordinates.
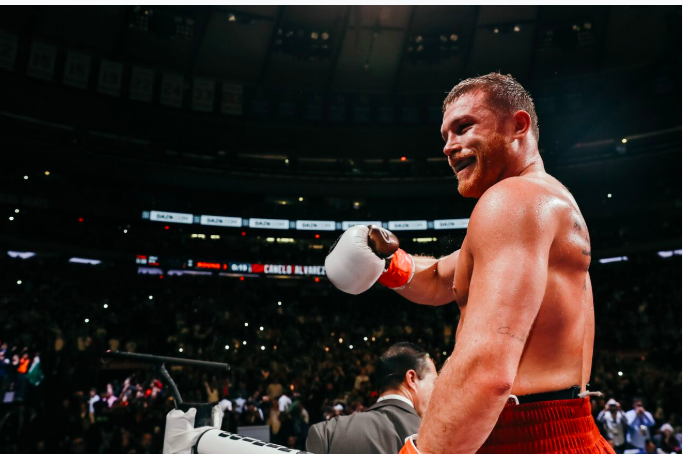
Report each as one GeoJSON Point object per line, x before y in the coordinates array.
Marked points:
{"type": "Point", "coordinates": [534, 48]}
{"type": "Point", "coordinates": [271, 44]}
{"type": "Point", "coordinates": [115, 52]}
{"type": "Point", "coordinates": [406, 39]}
{"type": "Point", "coordinates": [340, 45]}
{"type": "Point", "coordinates": [202, 24]}
{"type": "Point", "coordinates": [468, 57]}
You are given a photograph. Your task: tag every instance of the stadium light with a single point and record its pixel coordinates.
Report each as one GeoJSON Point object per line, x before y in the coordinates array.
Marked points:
{"type": "Point", "coordinates": [84, 261]}
{"type": "Point", "coordinates": [614, 259]}
{"type": "Point", "coordinates": [21, 255]}
{"type": "Point", "coordinates": [16, 210]}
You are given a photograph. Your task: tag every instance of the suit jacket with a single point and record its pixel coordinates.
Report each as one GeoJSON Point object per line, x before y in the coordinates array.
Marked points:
{"type": "Point", "coordinates": [381, 429]}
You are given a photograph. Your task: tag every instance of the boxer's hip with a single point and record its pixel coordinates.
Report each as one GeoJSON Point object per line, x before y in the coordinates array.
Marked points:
{"type": "Point", "coordinates": [553, 426]}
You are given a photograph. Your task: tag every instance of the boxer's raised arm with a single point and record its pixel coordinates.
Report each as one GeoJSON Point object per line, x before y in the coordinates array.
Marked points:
{"type": "Point", "coordinates": [364, 255]}
{"type": "Point", "coordinates": [509, 237]}
{"type": "Point", "coordinates": [432, 283]}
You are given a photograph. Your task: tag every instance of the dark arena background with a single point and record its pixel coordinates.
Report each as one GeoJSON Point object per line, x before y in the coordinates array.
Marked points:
{"type": "Point", "coordinates": [173, 178]}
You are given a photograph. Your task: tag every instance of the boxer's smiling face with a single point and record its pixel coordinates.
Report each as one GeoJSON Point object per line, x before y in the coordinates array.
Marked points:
{"type": "Point", "coordinates": [476, 148]}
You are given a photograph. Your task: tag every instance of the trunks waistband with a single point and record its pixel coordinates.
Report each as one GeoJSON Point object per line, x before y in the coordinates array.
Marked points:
{"type": "Point", "coordinates": [564, 394]}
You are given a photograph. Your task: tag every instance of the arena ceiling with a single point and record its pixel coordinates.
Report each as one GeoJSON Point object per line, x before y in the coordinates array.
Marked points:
{"type": "Point", "coordinates": [373, 48]}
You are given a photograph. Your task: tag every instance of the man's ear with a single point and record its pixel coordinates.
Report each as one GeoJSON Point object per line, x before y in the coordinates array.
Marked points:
{"type": "Point", "coordinates": [411, 378]}
{"type": "Point", "coordinates": [522, 122]}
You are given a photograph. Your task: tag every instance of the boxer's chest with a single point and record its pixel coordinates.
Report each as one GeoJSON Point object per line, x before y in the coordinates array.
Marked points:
{"type": "Point", "coordinates": [463, 275]}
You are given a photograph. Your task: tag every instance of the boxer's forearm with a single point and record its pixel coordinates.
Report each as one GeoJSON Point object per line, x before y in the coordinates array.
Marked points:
{"type": "Point", "coordinates": [432, 283]}
{"type": "Point", "coordinates": [467, 400]}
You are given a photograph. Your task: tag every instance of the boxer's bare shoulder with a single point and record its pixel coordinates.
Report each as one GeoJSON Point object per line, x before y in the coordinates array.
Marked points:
{"type": "Point", "coordinates": [509, 209]}
{"type": "Point", "coordinates": [536, 206]}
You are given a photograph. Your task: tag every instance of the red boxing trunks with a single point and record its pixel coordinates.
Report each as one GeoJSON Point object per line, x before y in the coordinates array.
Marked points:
{"type": "Point", "coordinates": [555, 426]}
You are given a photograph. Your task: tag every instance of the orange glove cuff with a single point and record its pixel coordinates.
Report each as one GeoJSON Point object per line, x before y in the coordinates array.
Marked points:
{"type": "Point", "coordinates": [400, 271]}
{"type": "Point", "coordinates": [409, 447]}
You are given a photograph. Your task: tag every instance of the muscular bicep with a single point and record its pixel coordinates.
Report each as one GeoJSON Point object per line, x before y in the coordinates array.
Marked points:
{"type": "Point", "coordinates": [432, 283]}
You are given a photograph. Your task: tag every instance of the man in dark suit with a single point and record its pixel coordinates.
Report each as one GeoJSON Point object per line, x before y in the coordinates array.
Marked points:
{"type": "Point", "coordinates": [406, 377]}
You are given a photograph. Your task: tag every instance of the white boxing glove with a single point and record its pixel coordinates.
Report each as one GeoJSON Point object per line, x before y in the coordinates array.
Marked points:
{"type": "Point", "coordinates": [351, 265]}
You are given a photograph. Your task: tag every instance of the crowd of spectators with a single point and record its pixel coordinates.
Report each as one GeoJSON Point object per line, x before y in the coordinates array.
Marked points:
{"type": "Point", "coordinates": [299, 351]}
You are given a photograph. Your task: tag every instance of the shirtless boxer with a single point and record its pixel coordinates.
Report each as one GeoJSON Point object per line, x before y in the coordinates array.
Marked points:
{"type": "Point", "coordinates": [520, 280]}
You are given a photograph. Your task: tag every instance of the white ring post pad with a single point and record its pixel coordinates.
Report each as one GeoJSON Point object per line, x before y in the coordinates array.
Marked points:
{"type": "Point", "coordinates": [216, 441]}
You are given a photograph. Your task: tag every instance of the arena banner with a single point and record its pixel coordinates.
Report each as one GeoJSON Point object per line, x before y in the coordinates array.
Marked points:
{"type": "Point", "coordinates": [168, 216]}
{"type": "Point", "coordinates": [386, 112]}
{"type": "Point", "coordinates": [444, 224]}
{"type": "Point", "coordinates": [220, 221]}
{"type": "Point", "coordinates": [274, 269]}
{"type": "Point", "coordinates": [203, 92]}
{"type": "Point", "coordinates": [287, 105]}
{"type": "Point", "coordinates": [41, 63]}
{"type": "Point", "coordinates": [314, 107]}
{"type": "Point", "coordinates": [141, 84]}
{"type": "Point", "coordinates": [304, 225]}
{"type": "Point", "coordinates": [337, 110]}
{"type": "Point", "coordinates": [280, 224]}
{"type": "Point", "coordinates": [288, 270]}
{"type": "Point", "coordinates": [231, 101]}
{"type": "Point", "coordinates": [111, 75]}
{"type": "Point", "coordinates": [407, 225]}
{"type": "Point", "coordinates": [348, 224]}
{"type": "Point", "coordinates": [77, 70]}
{"type": "Point", "coordinates": [8, 51]}
{"type": "Point", "coordinates": [362, 109]}
{"type": "Point", "coordinates": [315, 225]}
{"type": "Point", "coordinates": [172, 86]}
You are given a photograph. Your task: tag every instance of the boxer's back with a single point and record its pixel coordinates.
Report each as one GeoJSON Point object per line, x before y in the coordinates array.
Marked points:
{"type": "Point", "coordinates": [559, 349]}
